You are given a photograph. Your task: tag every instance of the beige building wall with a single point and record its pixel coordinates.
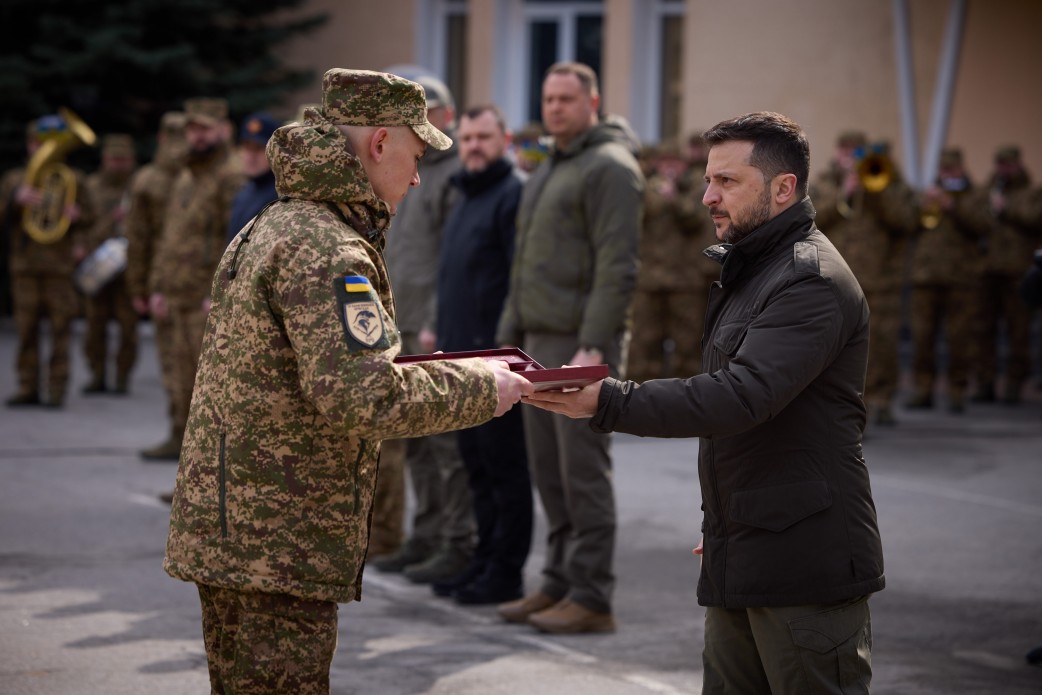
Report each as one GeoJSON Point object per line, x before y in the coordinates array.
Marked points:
{"type": "Point", "coordinates": [829, 64]}
{"type": "Point", "coordinates": [358, 34]}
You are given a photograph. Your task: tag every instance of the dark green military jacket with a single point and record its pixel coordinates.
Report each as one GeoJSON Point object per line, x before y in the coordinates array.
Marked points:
{"type": "Point", "coordinates": [578, 225]}
{"type": "Point", "coordinates": [297, 387]}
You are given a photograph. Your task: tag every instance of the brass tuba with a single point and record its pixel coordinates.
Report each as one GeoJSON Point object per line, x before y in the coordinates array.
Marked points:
{"type": "Point", "coordinates": [47, 222]}
{"type": "Point", "coordinates": [875, 172]}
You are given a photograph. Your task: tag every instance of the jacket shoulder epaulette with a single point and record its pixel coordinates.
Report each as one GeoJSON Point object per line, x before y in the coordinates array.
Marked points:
{"type": "Point", "coordinates": [805, 258]}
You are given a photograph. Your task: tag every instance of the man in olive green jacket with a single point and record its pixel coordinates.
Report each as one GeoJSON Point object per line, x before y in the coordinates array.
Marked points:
{"type": "Point", "coordinates": [571, 285]}
{"type": "Point", "coordinates": [297, 386]}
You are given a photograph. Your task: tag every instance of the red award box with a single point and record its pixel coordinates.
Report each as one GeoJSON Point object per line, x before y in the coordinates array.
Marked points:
{"type": "Point", "coordinates": [543, 378]}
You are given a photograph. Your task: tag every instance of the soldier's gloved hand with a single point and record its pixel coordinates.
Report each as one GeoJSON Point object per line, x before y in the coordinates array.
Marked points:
{"type": "Point", "coordinates": [510, 386]}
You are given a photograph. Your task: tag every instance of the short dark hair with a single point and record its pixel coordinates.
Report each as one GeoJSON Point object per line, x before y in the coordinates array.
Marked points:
{"type": "Point", "coordinates": [779, 144]}
{"type": "Point", "coordinates": [475, 111]}
{"type": "Point", "coordinates": [587, 77]}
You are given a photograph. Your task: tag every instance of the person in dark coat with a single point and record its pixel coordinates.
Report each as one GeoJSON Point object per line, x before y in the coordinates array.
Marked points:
{"type": "Point", "coordinates": [473, 279]}
{"type": "Point", "coordinates": [791, 549]}
{"type": "Point", "coordinates": [259, 189]}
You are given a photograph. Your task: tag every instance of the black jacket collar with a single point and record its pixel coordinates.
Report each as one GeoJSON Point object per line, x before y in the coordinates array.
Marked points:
{"type": "Point", "coordinates": [784, 230]}
{"type": "Point", "coordinates": [473, 183]}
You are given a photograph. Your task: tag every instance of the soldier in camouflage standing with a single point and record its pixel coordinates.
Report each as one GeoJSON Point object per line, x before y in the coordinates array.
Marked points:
{"type": "Point", "coordinates": [442, 541]}
{"type": "Point", "coordinates": [1012, 237]}
{"type": "Point", "coordinates": [149, 194]}
{"type": "Point", "coordinates": [297, 387]}
{"type": "Point", "coordinates": [109, 188]}
{"type": "Point", "coordinates": [871, 230]}
{"type": "Point", "coordinates": [670, 301]}
{"type": "Point", "coordinates": [946, 269]}
{"type": "Point", "coordinates": [191, 244]}
{"type": "Point", "coordinates": [41, 273]}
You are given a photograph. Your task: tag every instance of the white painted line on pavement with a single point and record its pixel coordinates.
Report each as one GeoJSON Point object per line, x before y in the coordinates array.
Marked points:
{"type": "Point", "coordinates": [957, 495]}
{"type": "Point", "coordinates": [147, 501]}
{"type": "Point", "coordinates": [395, 588]}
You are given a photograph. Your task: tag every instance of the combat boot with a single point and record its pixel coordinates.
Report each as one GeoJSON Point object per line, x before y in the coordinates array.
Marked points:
{"type": "Point", "coordinates": [411, 553]}
{"type": "Point", "coordinates": [519, 611]}
{"type": "Point", "coordinates": [920, 400]}
{"type": "Point", "coordinates": [94, 387]}
{"type": "Point", "coordinates": [22, 399]}
{"type": "Point", "coordinates": [445, 564]}
{"type": "Point", "coordinates": [170, 450]}
{"type": "Point", "coordinates": [569, 618]}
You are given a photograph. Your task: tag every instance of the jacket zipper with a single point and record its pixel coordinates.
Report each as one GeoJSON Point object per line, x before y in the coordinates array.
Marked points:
{"type": "Point", "coordinates": [221, 506]}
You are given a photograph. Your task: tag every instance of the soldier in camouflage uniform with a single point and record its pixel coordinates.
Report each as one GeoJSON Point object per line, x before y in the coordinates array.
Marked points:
{"type": "Point", "coordinates": [670, 300]}
{"type": "Point", "coordinates": [41, 274]}
{"type": "Point", "coordinates": [1012, 238]}
{"type": "Point", "coordinates": [109, 189]}
{"type": "Point", "coordinates": [191, 243]}
{"type": "Point", "coordinates": [297, 387]}
{"type": "Point", "coordinates": [871, 231]}
{"type": "Point", "coordinates": [946, 270]}
{"type": "Point", "coordinates": [149, 194]}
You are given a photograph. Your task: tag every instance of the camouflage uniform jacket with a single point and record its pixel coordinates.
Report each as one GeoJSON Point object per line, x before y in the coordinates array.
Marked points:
{"type": "Point", "coordinates": [671, 241]}
{"type": "Point", "coordinates": [414, 245]}
{"type": "Point", "coordinates": [296, 390]}
{"type": "Point", "coordinates": [578, 227]}
{"type": "Point", "coordinates": [949, 255]}
{"type": "Point", "coordinates": [107, 192]}
{"type": "Point", "coordinates": [149, 194]}
{"type": "Point", "coordinates": [28, 256]}
{"type": "Point", "coordinates": [874, 238]}
{"type": "Point", "coordinates": [195, 229]}
{"type": "Point", "coordinates": [1015, 233]}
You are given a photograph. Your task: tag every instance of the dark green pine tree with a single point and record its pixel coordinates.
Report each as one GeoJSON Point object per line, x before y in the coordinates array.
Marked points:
{"type": "Point", "coordinates": [120, 64]}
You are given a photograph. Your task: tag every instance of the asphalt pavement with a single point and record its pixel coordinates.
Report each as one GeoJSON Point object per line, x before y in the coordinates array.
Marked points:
{"type": "Point", "coordinates": [85, 606]}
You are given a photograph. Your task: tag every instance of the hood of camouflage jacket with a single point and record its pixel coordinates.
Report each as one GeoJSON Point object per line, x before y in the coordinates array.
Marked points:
{"type": "Point", "coordinates": [311, 161]}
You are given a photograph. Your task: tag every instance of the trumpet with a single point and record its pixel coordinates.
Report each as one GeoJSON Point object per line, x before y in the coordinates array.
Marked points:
{"type": "Point", "coordinates": [932, 210]}
{"type": "Point", "coordinates": [47, 222]}
{"type": "Point", "coordinates": [875, 171]}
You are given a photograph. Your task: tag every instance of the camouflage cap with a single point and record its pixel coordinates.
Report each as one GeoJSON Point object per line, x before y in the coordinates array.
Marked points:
{"type": "Point", "coordinates": [951, 157]}
{"type": "Point", "coordinates": [118, 145]}
{"type": "Point", "coordinates": [173, 122]}
{"type": "Point", "coordinates": [852, 138]}
{"type": "Point", "coordinates": [207, 111]}
{"type": "Point", "coordinates": [1007, 154]}
{"type": "Point", "coordinates": [436, 91]}
{"type": "Point", "coordinates": [367, 98]}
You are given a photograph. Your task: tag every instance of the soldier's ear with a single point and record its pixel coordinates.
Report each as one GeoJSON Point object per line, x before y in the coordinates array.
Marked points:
{"type": "Point", "coordinates": [378, 143]}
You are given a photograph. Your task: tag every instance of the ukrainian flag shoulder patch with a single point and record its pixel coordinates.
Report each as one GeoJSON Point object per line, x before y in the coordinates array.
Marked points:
{"type": "Point", "coordinates": [360, 313]}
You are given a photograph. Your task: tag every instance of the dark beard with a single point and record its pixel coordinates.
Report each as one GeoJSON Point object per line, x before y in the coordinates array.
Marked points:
{"type": "Point", "coordinates": [757, 217]}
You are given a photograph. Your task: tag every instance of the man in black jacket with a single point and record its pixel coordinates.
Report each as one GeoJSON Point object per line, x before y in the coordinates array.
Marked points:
{"type": "Point", "coordinates": [791, 548]}
{"type": "Point", "coordinates": [473, 277]}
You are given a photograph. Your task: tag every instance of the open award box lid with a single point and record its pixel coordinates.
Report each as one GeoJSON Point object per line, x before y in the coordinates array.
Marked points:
{"type": "Point", "coordinates": [544, 379]}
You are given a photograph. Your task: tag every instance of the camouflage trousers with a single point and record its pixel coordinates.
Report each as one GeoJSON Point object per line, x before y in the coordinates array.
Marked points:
{"type": "Point", "coordinates": [882, 376]}
{"type": "Point", "coordinates": [659, 315]}
{"type": "Point", "coordinates": [39, 295]}
{"type": "Point", "coordinates": [164, 336]}
{"type": "Point", "coordinates": [387, 530]}
{"type": "Point", "coordinates": [111, 303]}
{"type": "Point", "coordinates": [186, 342]}
{"type": "Point", "coordinates": [263, 644]}
{"type": "Point", "coordinates": [934, 307]}
{"type": "Point", "coordinates": [1000, 307]}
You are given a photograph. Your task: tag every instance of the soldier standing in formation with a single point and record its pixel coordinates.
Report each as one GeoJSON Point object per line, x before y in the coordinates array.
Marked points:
{"type": "Point", "coordinates": [869, 213]}
{"type": "Point", "coordinates": [1012, 238]}
{"type": "Point", "coordinates": [149, 195]}
{"type": "Point", "coordinates": [945, 278]}
{"type": "Point", "coordinates": [109, 190]}
{"type": "Point", "coordinates": [41, 273]}
{"type": "Point", "coordinates": [670, 300]}
{"type": "Point", "coordinates": [298, 387]}
{"type": "Point", "coordinates": [443, 529]}
{"type": "Point", "coordinates": [191, 243]}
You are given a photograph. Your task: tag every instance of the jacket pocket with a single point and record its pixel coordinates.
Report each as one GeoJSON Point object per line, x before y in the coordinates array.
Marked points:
{"type": "Point", "coordinates": [729, 337]}
{"type": "Point", "coordinates": [778, 507]}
